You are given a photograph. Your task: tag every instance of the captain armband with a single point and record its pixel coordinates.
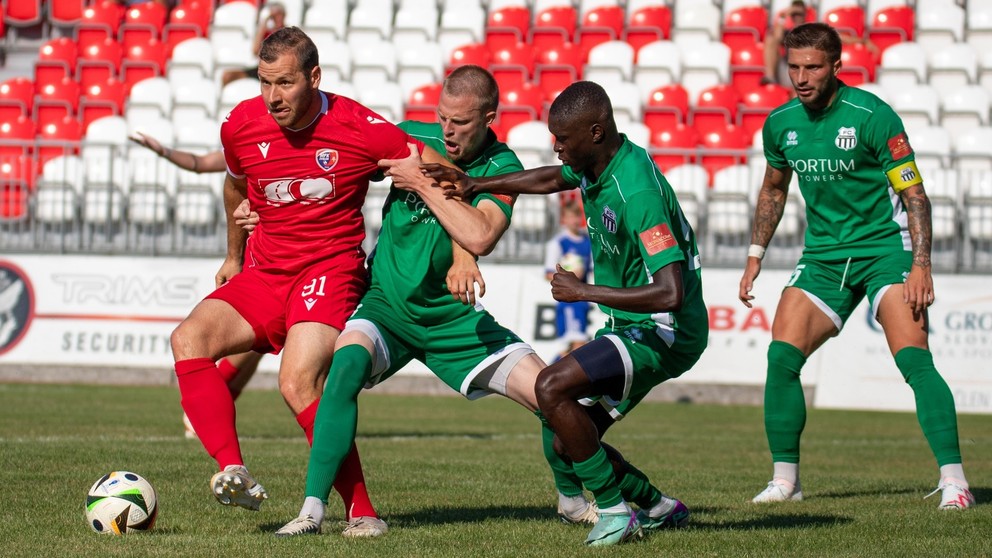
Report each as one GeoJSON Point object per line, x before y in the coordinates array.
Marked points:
{"type": "Point", "coordinates": [904, 176]}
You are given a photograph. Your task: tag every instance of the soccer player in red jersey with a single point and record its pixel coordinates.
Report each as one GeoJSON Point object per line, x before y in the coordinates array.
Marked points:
{"type": "Point", "coordinates": [303, 158]}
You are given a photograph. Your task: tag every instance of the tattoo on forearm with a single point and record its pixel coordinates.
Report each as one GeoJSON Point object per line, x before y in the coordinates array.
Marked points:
{"type": "Point", "coordinates": [918, 219]}
{"type": "Point", "coordinates": [767, 213]}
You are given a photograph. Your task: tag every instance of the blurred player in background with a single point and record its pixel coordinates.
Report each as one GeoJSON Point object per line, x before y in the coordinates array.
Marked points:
{"type": "Point", "coordinates": [571, 250]}
{"type": "Point", "coordinates": [304, 158]}
{"type": "Point", "coordinates": [649, 286]}
{"type": "Point", "coordinates": [868, 236]}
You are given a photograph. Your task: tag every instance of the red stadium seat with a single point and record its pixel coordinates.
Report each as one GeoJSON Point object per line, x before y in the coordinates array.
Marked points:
{"type": "Point", "coordinates": [421, 106]}
{"type": "Point", "coordinates": [507, 26]}
{"type": "Point", "coordinates": [187, 21]}
{"type": "Point", "coordinates": [476, 53]}
{"type": "Point", "coordinates": [11, 110]}
{"type": "Point", "coordinates": [891, 25]}
{"type": "Point", "coordinates": [745, 26]}
{"type": "Point", "coordinates": [101, 99]}
{"type": "Point", "coordinates": [56, 60]}
{"type": "Point", "coordinates": [99, 62]}
{"type": "Point", "coordinates": [557, 68]}
{"type": "Point", "coordinates": [100, 21]}
{"type": "Point", "coordinates": [512, 66]}
{"type": "Point", "coordinates": [22, 13]}
{"type": "Point", "coordinates": [142, 61]}
{"type": "Point", "coordinates": [648, 24]}
{"type": "Point", "coordinates": [142, 23]}
{"type": "Point", "coordinates": [747, 66]}
{"type": "Point", "coordinates": [56, 101]}
{"type": "Point", "coordinates": [757, 103]}
{"type": "Point", "coordinates": [553, 27]}
{"type": "Point", "coordinates": [728, 147]}
{"type": "Point", "coordinates": [667, 107]}
{"type": "Point", "coordinates": [66, 13]}
{"type": "Point", "coordinates": [847, 20]}
{"type": "Point", "coordinates": [715, 108]}
{"type": "Point", "coordinates": [16, 138]}
{"type": "Point", "coordinates": [674, 146]}
{"type": "Point", "coordinates": [599, 25]}
{"type": "Point", "coordinates": [857, 64]}
{"type": "Point", "coordinates": [58, 138]}
{"type": "Point", "coordinates": [517, 105]}
{"type": "Point", "coordinates": [19, 90]}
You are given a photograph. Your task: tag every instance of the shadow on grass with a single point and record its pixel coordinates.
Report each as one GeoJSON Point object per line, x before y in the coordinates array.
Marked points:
{"type": "Point", "coordinates": [982, 495]}
{"type": "Point", "coordinates": [866, 492]}
{"type": "Point", "coordinates": [791, 521]}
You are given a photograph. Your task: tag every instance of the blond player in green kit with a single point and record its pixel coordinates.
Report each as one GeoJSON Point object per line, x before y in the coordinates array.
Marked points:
{"type": "Point", "coordinates": [868, 236]}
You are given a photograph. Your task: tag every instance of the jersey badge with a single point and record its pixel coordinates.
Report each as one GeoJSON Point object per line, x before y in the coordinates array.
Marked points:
{"type": "Point", "coordinates": [846, 139]}
{"type": "Point", "coordinates": [657, 238]}
{"type": "Point", "coordinates": [327, 158]}
{"type": "Point", "coordinates": [609, 220]}
{"type": "Point", "coordinates": [264, 148]}
{"type": "Point", "coordinates": [792, 138]}
{"type": "Point", "coordinates": [899, 146]}
{"type": "Point", "coordinates": [309, 302]}
{"type": "Point", "coordinates": [374, 120]}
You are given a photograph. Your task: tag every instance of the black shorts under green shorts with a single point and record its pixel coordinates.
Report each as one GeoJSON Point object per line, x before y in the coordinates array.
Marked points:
{"type": "Point", "coordinates": [455, 350]}
{"type": "Point", "coordinates": [837, 286]}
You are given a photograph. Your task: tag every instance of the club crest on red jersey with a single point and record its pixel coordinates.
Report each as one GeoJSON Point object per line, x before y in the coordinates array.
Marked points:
{"type": "Point", "coordinates": [327, 158]}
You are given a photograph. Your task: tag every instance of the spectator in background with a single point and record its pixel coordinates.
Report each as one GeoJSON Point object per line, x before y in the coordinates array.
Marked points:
{"type": "Point", "coordinates": [274, 19]}
{"type": "Point", "coordinates": [570, 249]}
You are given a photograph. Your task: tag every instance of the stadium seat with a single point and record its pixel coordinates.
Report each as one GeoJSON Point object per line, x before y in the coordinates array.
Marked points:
{"type": "Point", "coordinates": [964, 109]}
{"type": "Point", "coordinates": [939, 25]}
{"type": "Point", "coordinates": [143, 22]}
{"type": "Point", "coordinates": [462, 23]}
{"type": "Point", "coordinates": [600, 25]}
{"type": "Point", "coordinates": [747, 67]}
{"type": "Point", "coordinates": [56, 60]}
{"type": "Point", "coordinates": [15, 188]}
{"type": "Point", "coordinates": [667, 107]}
{"type": "Point", "coordinates": [421, 104]}
{"type": "Point", "coordinates": [19, 90]}
{"type": "Point", "coordinates": [857, 64]}
{"type": "Point", "coordinates": [188, 20]}
{"type": "Point", "coordinates": [611, 61]}
{"type": "Point", "coordinates": [328, 17]}
{"type": "Point", "coordinates": [100, 21]}
{"type": "Point", "coordinates": [745, 26]}
{"type": "Point", "coordinates": [369, 26]}
{"type": "Point", "coordinates": [973, 149]}
{"type": "Point", "coordinates": [66, 13]}
{"type": "Point", "coordinates": [23, 13]}
{"type": "Point", "coordinates": [690, 183]}
{"type": "Point", "coordinates": [657, 64]}
{"type": "Point", "coordinates": [902, 64]}
{"type": "Point", "coordinates": [149, 100]}
{"type": "Point", "coordinates": [142, 61]}
{"type": "Point", "coordinates": [507, 26]}
{"type": "Point", "coordinates": [234, 20]}
{"type": "Point", "coordinates": [553, 27]}
{"type": "Point", "coordinates": [517, 105]}
{"type": "Point", "coordinates": [728, 146]}
{"type": "Point", "coordinates": [696, 23]}
{"type": "Point", "coordinates": [58, 190]}
{"type": "Point", "coordinates": [532, 142]}
{"type": "Point", "coordinates": [978, 221]}
{"type": "Point", "coordinates": [847, 20]}
{"type": "Point", "coordinates": [474, 53]}
{"type": "Point", "coordinates": [944, 194]}
{"type": "Point", "coordinates": [372, 64]}
{"type": "Point", "coordinates": [105, 171]}
{"type": "Point", "coordinates": [952, 67]}
{"type": "Point", "coordinates": [978, 30]}
{"type": "Point", "coordinates": [647, 24]}
{"type": "Point", "coordinates": [757, 103]}
{"type": "Point", "coordinates": [414, 27]}
{"type": "Point", "coordinates": [637, 132]}
{"type": "Point", "coordinates": [98, 62]}
{"type": "Point", "coordinates": [512, 66]}
{"type": "Point", "coordinates": [16, 137]}
{"type": "Point", "coordinates": [56, 101]}
{"type": "Point", "coordinates": [626, 100]}
{"type": "Point", "coordinates": [386, 100]}
{"type": "Point", "coordinates": [57, 138]}
{"type": "Point", "coordinates": [704, 65]}
{"type": "Point", "coordinates": [891, 25]}
{"type": "Point", "coordinates": [931, 147]}
{"type": "Point", "coordinates": [728, 211]}
{"type": "Point", "coordinates": [235, 92]}
{"type": "Point", "coordinates": [714, 109]}
{"type": "Point", "coordinates": [193, 59]}
{"type": "Point", "coordinates": [674, 146]}
{"type": "Point", "coordinates": [101, 99]}
{"type": "Point", "coordinates": [917, 105]}
{"type": "Point", "coordinates": [557, 68]}
{"type": "Point", "coordinates": [194, 100]}
{"type": "Point", "coordinates": [419, 65]}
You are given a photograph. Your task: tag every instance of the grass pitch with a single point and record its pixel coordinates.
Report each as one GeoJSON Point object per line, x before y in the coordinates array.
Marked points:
{"type": "Point", "coordinates": [454, 478]}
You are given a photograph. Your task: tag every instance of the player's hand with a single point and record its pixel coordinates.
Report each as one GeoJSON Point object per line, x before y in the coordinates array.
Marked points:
{"type": "Point", "coordinates": [456, 184]}
{"type": "Point", "coordinates": [751, 271]}
{"type": "Point", "coordinates": [147, 141]}
{"type": "Point", "coordinates": [244, 217]}
{"type": "Point", "coordinates": [566, 287]}
{"type": "Point", "coordinates": [917, 291]}
{"type": "Point", "coordinates": [462, 278]}
{"type": "Point", "coordinates": [228, 269]}
{"type": "Point", "coordinates": [406, 173]}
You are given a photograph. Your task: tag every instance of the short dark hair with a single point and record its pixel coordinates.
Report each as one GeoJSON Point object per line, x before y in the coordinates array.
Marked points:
{"type": "Point", "coordinates": [815, 35]}
{"type": "Point", "coordinates": [290, 39]}
{"type": "Point", "coordinates": [582, 101]}
{"type": "Point", "coordinates": [476, 81]}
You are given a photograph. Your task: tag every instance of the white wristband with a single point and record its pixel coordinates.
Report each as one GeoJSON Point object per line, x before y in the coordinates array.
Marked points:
{"type": "Point", "coordinates": [756, 251]}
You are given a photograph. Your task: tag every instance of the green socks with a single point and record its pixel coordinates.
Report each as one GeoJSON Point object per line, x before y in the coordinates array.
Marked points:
{"type": "Point", "coordinates": [597, 475]}
{"type": "Point", "coordinates": [934, 403]}
{"type": "Point", "coordinates": [785, 405]}
{"type": "Point", "coordinates": [566, 481]}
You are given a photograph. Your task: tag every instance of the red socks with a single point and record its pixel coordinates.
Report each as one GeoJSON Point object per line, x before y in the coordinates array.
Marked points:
{"type": "Point", "coordinates": [350, 482]}
{"type": "Point", "coordinates": [228, 372]}
{"type": "Point", "coordinates": [210, 408]}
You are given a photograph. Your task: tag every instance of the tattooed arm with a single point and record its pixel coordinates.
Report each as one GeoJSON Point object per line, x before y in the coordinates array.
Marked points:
{"type": "Point", "coordinates": [918, 288]}
{"type": "Point", "coordinates": [767, 213]}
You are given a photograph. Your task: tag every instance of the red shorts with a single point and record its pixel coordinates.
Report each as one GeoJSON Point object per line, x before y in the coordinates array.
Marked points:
{"type": "Point", "coordinates": [325, 292]}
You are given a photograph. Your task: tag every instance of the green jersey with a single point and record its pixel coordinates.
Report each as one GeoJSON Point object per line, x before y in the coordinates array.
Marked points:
{"type": "Point", "coordinates": [851, 160]}
{"type": "Point", "coordinates": [413, 255]}
{"type": "Point", "coordinates": [637, 227]}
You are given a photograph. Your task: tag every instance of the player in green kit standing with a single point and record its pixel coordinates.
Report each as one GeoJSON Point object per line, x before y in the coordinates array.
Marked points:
{"type": "Point", "coordinates": [648, 284]}
{"type": "Point", "coordinates": [868, 236]}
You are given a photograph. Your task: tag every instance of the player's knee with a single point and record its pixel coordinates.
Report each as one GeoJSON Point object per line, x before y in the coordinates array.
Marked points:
{"type": "Point", "coordinates": [298, 392]}
{"type": "Point", "coordinates": [184, 342]}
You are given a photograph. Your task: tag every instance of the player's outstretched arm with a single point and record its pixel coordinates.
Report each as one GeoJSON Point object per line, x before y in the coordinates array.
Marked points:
{"type": "Point", "coordinates": [918, 289]}
{"type": "Point", "coordinates": [767, 214]}
{"type": "Point", "coordinates": [210, 162]}
{"type": "Point", "coordinates": [542, 180]}
{"type": "Point", "coordinates": [235, 192]}
{"type": "Point", "coordinates": [664, 294]}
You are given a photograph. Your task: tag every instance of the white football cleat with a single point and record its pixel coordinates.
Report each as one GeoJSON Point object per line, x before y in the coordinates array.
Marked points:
{"type": "Point", "coordinates": [953, 495]}
{"type": "Point", "coordinates": [235, 487]}
{"type": "Point", "coordinates": [303, 525]}
{"type": "Point", "coordinates": [588, 516]}
{"type": "Point", "coordinates": [779, 490]}
{"type": "Point", "coordinates": [364, 526]}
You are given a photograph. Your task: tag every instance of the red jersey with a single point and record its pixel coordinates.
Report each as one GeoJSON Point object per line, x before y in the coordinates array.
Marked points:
{"type": "Point", "coordinates": [308, 186]}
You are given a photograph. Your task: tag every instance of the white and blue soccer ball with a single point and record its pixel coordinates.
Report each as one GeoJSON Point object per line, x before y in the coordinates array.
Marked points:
{"type": "Point", "coordinates": [121, 502]}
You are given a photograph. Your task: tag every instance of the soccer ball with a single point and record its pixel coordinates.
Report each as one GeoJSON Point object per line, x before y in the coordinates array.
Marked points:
{"type": "Point", "coordinates": [574, 263]}
{"type": "Point", "coordinates": [121, 502]}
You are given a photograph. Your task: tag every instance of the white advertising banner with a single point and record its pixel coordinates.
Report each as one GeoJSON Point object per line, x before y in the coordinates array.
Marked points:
{"type": "Point", "coordinates": [116, 311]}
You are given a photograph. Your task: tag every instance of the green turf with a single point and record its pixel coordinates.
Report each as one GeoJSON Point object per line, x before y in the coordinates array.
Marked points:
{"type": "Point", "coordinates": [455, 478]}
